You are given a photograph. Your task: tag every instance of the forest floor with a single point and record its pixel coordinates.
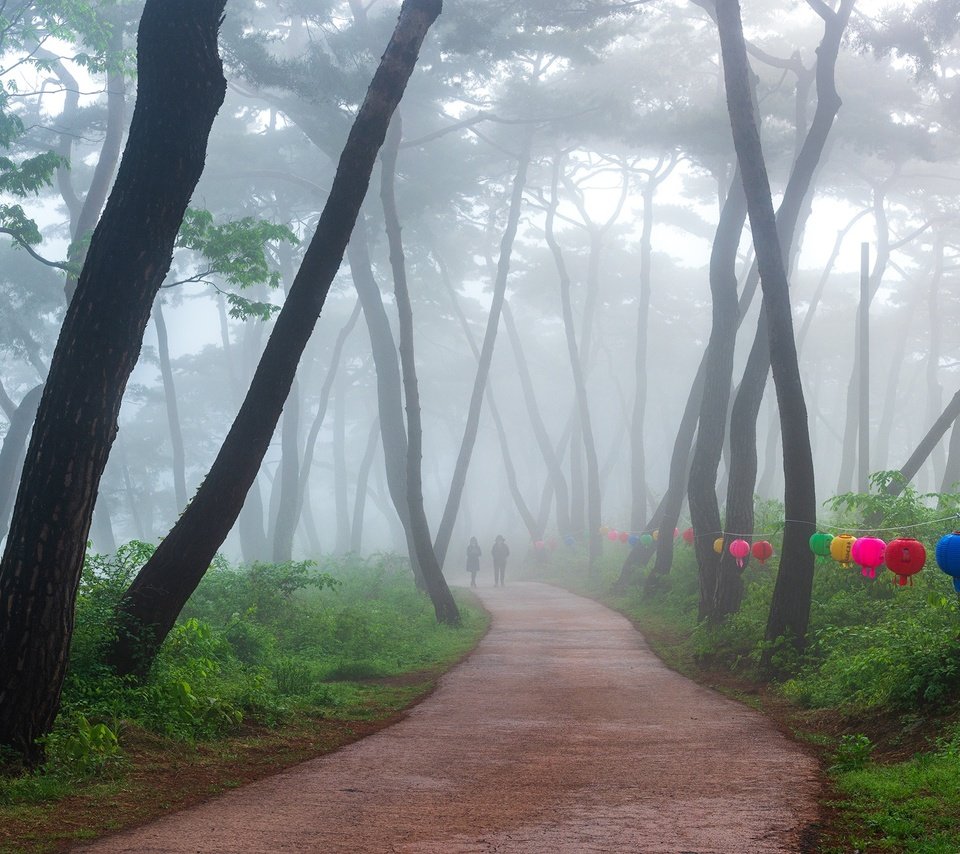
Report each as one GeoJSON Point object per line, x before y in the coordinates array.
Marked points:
{"type": "Point", "coordinates": [561, 732]}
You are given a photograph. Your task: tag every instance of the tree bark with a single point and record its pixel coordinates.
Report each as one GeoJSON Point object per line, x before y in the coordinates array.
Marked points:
{"type": "Point", "coordinates": [340, 491]}
{"type": "Point", "coordinates": [459, 478]}
{"type": "Point", "coordinates": [181, 88]}
{"type": "Point", "coordinates": [718, 375]}
{"type": "Point", "coordinates": [790, 608]}
{"type": "Point", "coordinates": [150, 606]}
{"type": "Point", "coordinates": [288, 478]}
{"type": "Point", "coordinates": [908, 471]}
{"type": "Point", "coordinates": [443, 603]}
{"type": "Point", "coordinates": [360, 496]}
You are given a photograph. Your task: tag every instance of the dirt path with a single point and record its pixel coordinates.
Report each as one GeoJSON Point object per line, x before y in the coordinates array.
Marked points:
{"type": "Point", "coordinates": [561, 733]}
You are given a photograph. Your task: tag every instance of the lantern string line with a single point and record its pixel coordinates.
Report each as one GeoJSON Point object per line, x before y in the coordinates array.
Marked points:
{"type": "Point", "coordinates": [725, 534]}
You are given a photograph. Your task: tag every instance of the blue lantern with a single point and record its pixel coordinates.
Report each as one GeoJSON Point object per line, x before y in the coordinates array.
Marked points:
{"type": "Point", "coordinates": [633, 539]}
{"type": "Point", "coordinates": [569, 540]}
{"type": "Point", "coordinates": [948, 557]}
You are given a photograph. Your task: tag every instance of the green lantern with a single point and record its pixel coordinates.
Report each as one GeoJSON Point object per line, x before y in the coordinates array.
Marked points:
{"type": "Point", "coordinates": [820, 544]}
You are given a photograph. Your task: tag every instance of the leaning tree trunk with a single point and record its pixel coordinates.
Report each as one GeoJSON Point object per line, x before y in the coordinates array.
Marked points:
{"type": "Point", "coordinates": [181, 88]}
{"type": "Point", "coordinates": [718, 375]}
{"type": "Point", "coordinates": [923, 450]}
{"type": "Point", "coordinates": [743, 451]}
{"type": "Point", "coordinates": [790, 608]}
{"type": "Point", "coordinates": [443, 602]}
{"type": "Point", "coordinates": [150, 606]}
{"type": "Point", "coordinates": [459, 478]}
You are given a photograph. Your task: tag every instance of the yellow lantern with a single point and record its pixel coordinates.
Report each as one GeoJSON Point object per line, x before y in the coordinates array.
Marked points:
{"type": "Point", "coordinates": [656, 535]}
{"type": "Point", "coordinates": [718, 545]}
{"type": "Point", "coordinates": [840, 548]}
{"type": "Point", "coordinates": [604, 530]}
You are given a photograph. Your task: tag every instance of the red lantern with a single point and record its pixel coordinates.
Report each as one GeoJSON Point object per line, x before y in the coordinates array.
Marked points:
{"type": "Point", "coordinates": [688, 536]}
{"type": "Point", "coordinates": [762, 551]}
{"type": "Point", "coordinates": [740, 549]}
{"type": "Point", "coordinates": [867, 552]}
{"type": "Point", "coordinates": [624, 536]}
{"type": "Point", "coordinates": [905, 557]}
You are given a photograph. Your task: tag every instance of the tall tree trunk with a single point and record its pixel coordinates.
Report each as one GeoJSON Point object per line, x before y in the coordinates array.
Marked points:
{"type": "Point", "coordinates": [340, 492]}
{"type": "Point", "coordinates": [934, 389]}
{"type": "Point", "coordinates": [443, 603]}
{"type": "Point", "coordinates": [576, 364]}
{"type": "Point", "coordinates": [287, 480]}
{"type": "Point", "coordinates": [393, 431]}
{"type": "Point", "coordinates": [702, 489]}
{"type": "Point", "coordinates": [150, 606]}
{"type": "Point", "coordinates": [181, 87]}
{"type": "Point", "coordinates": [363, 477]}
{"type": "Point", "coordinates": [796, 448]}
{"type": "Point", "coordinates": [178, 461]}
{"type": "Point", "coordinates": [790, 608]}
{"type": "Point", "coordinates": [951, 472]}
{"type": "Point", "coordinates": [13, 450]}
{"type": "Point", "coordinates": [459, 478]}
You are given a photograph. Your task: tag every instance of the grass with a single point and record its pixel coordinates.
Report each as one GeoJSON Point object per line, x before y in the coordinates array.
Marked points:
{"type": "Point", "coordinates": [269, 665]}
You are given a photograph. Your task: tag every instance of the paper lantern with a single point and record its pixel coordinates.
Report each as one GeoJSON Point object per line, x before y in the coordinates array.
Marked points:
{"type": "Point", "coordinates": [740, 549]}
{"type": "Point", "coordinates": [604, 530]}
{"type": "Point", "coordinates": [646, 540]}
{"type": "Point", "coordinates": [820, 544]}
{"type": "Point", "coordinates": [538, 545]}
{"type": "Point", "coordinates": [624, 536]}
{"type": "Point", "coordinates": [613, 536]}
{"type": "Point", "coordinates": [948, 557]}
{"type": "Point", "coordinates": [633, 539]}
{"type": "Point", "coordinates": [569, 540]}
{"type": "Point", "coordinates": [762, 551]}
{"type": "Point", "coordinates": [655, 535]}
{"type": "Point", "coordinates": [905, 557]}
{"type": "Point", "coordinates": [840, 548]}
{"type": "Point", "coordinates": [718, 545]}
{"type": "Point", "coordinates": [867, 552]}
{"type": "Point", "coordinates": [676, 533]}
{"type": "Point", "coordinates": [689, 536]}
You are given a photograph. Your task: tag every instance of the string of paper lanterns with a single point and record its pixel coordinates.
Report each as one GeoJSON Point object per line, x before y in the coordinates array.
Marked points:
{"type": "Point", "coordinates": [739, 548]}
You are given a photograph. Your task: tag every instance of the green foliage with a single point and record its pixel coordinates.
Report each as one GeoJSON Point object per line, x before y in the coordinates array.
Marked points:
{"type": "Point", "coordinates": [853, 753]}
{"type": "Point", "coordinates": [80, 748]}
{"type": "Point", "coordinates": [235, 253]}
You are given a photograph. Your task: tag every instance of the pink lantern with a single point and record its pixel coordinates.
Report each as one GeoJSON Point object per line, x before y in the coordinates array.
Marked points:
{"type": "Point", "coordinates": [676, 533]}
{"type": "Point", "coordinates": [613, 535]}
{"type": "Point", "coordinates": [689, 536]}
{"type": "Point", "coordinates": [538, 545]}
{"type": "Point", "coordinates": [740, 549]}
{"type": "Point", "coordinates": [867, 552]}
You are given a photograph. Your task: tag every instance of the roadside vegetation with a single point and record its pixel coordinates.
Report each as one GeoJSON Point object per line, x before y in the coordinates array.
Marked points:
{"type": "Point", "coordinates": [877, 689]}
{"type": "Point", "coordinates": [269, 664]}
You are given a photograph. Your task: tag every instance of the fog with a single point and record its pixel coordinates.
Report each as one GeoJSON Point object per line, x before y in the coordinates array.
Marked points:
{"type": "Point", "coordinates": [630, 160]}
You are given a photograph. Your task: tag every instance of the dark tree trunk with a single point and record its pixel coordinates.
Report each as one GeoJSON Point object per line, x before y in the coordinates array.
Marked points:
{"type": "Point", "coordinates": [790, 608]}
{"type": "Point", "coordinates": [718, 375]}
{"type": "Point", "coordinates": [151, 604]}
{"type": "Point", "coordinates": [459, 478]}
{"type": "Point", "coordinates": [178, 461]}
{"type": "Point", "coordinates": [393, 431]}
{"type": "Point", "coordinates": [580, 386]}
{"type": "Point", "coordinates": [934, 389]}
{"type": "Point", "coordinates": [743, 428]}
{"type": "Point", "coordinates": [13, 451]}
{"type": "Point", "coordinates": [181, 87]}
{"type": "Point", "coordinates": [363, 477]}
{"type": "Point", "coordinates": [443, 603]}
{"type": "Point", "coordinates": [951, 473]}
{"type": "Point", "coordinates": [923, 450]}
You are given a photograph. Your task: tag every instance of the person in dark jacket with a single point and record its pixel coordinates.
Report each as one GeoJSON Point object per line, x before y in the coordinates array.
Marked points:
{"type": "Point", "coordinates": [473, 560]}
{"type": "Point", "coordinates": [499, 553]}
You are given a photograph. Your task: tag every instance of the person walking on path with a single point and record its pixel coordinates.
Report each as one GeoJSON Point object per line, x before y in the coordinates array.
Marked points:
{"type": "Point", "coordinates": [499, 553]}
{"type": "Point", "coordinates": [473, 560]}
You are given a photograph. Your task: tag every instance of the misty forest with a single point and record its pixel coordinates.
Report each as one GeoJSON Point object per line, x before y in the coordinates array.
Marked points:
{"type": "Point", "coordinates": [475, 385]}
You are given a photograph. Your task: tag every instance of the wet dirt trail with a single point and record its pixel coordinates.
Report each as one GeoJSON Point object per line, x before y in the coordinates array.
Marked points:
{"type": "Point", "coordinates": [561, 733]}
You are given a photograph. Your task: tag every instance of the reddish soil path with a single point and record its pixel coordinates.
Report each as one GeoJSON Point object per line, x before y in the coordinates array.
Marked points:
{"type": "Point", "coordinates": [561, 733]}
